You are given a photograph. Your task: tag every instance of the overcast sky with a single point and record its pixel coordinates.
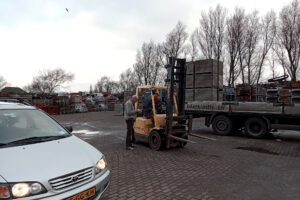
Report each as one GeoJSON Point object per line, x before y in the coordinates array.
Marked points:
{"type": "Point", "coordinates": [96, 37]}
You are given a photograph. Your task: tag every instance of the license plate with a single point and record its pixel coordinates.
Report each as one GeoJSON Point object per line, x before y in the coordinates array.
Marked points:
{"type": "Point", "coordinates": [83, 195]}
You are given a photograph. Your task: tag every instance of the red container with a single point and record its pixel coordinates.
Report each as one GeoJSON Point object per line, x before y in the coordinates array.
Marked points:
{"type": "Point", "coordinates": [51, 110]}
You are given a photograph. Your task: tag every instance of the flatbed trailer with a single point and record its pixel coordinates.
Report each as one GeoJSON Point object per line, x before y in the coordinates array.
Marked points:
{"type": "Point", "coordinates": [256, 118]}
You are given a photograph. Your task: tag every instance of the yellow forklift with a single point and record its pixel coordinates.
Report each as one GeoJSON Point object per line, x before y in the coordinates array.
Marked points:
{"type": "Point", "coordinates": [163, 122]}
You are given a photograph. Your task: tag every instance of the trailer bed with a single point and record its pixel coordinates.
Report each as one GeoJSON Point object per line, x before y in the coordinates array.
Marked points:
{"type": "Point", "coordinates": [205, 107]}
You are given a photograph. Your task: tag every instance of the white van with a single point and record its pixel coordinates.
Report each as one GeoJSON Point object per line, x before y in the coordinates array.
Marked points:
{"type": "Point", "coordinates": [40, 159]}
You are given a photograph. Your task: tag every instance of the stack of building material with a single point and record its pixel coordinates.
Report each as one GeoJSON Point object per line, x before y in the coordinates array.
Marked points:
{"type": "Point", "coordinates": [258, 93]}
{"type": "Point", "coordinates": [295, 94]}
{"type": "Point", "coordinates": [76, 103]}
{"type": "Point", "coordinates": [272, 95]}
{"type": "Point", "coordinates": [63, 102]}
{"type": "Point", "coordinates": [229, 94]}
{"type": "Point", "coordinates": [243, 92]}
{"type": "Point", "coordinates": [76, 99]}
{"type": "Point", "coordinates": [204, 81]}
{"type": "Point", "coordinates": [110, 106]}
{"type": "Point", "coordinates": [42, 102]}
{"type": "Point", "coordinates": [284, 96]}
{"type": "Point", "coordinates": [296, 85]}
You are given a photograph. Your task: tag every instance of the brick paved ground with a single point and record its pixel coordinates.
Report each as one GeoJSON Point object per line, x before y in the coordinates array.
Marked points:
{"type": "Point", "coordinates": [233, 167]}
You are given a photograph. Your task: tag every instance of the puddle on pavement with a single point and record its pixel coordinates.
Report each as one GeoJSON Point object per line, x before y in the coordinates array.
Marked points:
{"type": "Point", "coordinates": [258, 149]}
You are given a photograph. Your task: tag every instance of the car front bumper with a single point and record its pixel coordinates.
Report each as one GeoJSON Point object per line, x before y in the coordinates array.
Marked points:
{"type": "Point", "coordinates": [101, 183]}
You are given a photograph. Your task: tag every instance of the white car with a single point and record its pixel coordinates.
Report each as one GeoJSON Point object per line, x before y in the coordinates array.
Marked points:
{"type": "Point", "coordinates": [40, 159]}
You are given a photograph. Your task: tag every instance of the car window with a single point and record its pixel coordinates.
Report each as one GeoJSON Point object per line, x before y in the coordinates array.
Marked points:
{"type": "Point", "coordinates": [21, 124]}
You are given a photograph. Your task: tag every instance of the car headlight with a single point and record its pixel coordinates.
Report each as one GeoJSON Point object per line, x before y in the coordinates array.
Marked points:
{"type": "Point", "coordinates": [18, 190]}
{"type": "Point", "coordinates": [101, 165]}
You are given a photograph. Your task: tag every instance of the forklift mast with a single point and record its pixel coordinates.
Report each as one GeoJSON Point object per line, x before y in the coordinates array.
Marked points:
{"type": "Point", "coordinates": [175, 83]}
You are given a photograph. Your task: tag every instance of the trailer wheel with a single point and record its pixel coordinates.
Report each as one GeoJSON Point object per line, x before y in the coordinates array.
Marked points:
{"type": "Point", "coordinates": [155, 140]}
{"type": "Point", "coordinates": [222, 125]}
{"type": "Point", "coordinates": [256, 127]}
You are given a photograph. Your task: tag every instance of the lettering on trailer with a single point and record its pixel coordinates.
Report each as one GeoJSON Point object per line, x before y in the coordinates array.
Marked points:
{"type": "Point", "coordinates": [205, 107]}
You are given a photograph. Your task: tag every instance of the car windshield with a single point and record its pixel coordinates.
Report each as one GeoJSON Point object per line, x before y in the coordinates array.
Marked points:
{"type": "Point", "coordinates": [19, 125]}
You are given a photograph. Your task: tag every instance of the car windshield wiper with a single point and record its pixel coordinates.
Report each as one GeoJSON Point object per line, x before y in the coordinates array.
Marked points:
{"type": "Point", "coordinates": [32, 140]}
{"type": "Point", "coordinates": [2, 144]}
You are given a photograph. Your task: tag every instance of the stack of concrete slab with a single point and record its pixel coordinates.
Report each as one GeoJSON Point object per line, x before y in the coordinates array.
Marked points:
{"type": "Point", "coordinates": [204, 80]}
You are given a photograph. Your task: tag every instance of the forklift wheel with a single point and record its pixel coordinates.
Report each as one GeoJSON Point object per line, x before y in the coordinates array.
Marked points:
{"type": "Point", "coordinates": [184, 136]}
{"type": "Point", "coordinates": [155, 140]}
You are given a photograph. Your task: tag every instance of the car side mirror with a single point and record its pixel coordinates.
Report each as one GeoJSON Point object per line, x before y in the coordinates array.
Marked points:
{"type": "Point", "coordinates": [69, 128]}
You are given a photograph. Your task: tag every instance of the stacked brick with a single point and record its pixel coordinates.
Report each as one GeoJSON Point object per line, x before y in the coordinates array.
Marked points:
{"type": "Point", "coordinates": [284, 96]}
{"type": "Point", "coordinates": [243, 92]}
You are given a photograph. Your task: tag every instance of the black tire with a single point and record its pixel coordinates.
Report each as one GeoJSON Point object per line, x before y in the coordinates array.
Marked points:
{"type": "Point", "coordinates": [222, 125]}
{"type": "Point", "coordinates": [256, 127]}
{"type": "Point", "coordinates": [155, 140]}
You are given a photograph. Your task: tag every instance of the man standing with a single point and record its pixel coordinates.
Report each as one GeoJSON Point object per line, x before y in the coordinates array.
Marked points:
{"type": "Point", "coordinates": [129, 115]}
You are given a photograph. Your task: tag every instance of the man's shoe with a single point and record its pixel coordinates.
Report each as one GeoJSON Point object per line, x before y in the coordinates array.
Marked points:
{"type": "Point", "coordinates": [133, 145]}
{"type": "Point", "coordinates": [129, 148]}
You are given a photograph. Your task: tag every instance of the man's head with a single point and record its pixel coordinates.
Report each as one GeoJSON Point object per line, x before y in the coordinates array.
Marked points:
{"type": "Point", "coordinates": [134, 98]}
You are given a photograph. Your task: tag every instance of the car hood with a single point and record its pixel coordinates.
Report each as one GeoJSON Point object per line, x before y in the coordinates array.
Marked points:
{"type": "Point", "coordinates": [43, 161]}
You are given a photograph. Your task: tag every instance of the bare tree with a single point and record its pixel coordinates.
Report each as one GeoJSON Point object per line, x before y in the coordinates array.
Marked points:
{"type": "Point", "coordinates": [99, 86]}
{"type": "Point", "coordinates": [186, 50]}
{"type": "Point", "coordinates": [251, 38]}
{"type": "Point", "coordinates": [3, 83]}
{"type": "Point", "coordinates": [219, 19]}
{"type": "Point", "coordinates": [150, 60]}
{"type": "Point", "coordinates": [127, 80]}
{"type": "Point", "coordinates": [193, 46]}
{"type": "Point", "coordinates": [211, 32]}
{"type": "Point", "coordinates": [114, 87]}
{"type": "Point", "coordinates": [268, 33]}
{"type": "Point", "coordinates": [233, 43]}
{"type": "Point", "coordinates": [175, 40]}
{"type": "Point", "coordinates": [280, 53]}
{"type": "Point", "coordinates": [49, 81]}
{"type": "Point", "coordinates": [241, 21]}
{"type": "Point", "coordinates": [272, 64]}
{"type": "Point", "coordinates": [148, 64]}
{"type": "Point", "coordinates": [288, 37]}
{"type": "Point", "coordinates": [91, 89]}
{"type": "Point", "coordinates": [206, 34]}
{"type": "Point", "coordinates": [106, 84]}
